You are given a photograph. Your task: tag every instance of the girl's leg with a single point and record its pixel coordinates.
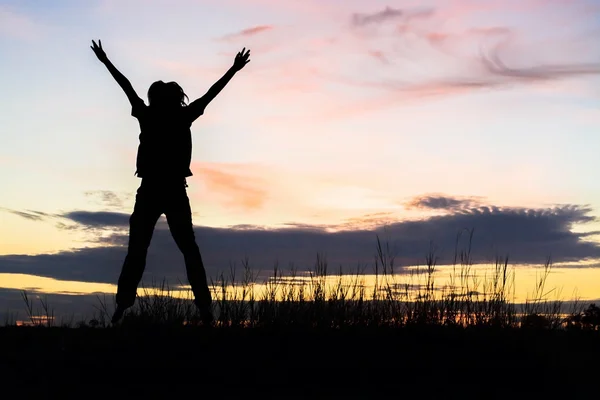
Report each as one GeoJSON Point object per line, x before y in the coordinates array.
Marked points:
{"type": "Point", "coordinates": [179, 218]}
{"type": "Point", "coordinates": [146, 212]}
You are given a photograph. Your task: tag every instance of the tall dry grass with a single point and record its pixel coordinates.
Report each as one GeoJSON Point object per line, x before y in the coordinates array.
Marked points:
{"type": "Point", "coordinates": [320, 299]}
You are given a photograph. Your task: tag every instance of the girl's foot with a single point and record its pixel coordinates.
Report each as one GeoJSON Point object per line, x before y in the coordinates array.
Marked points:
{"type": "Point", "coordinates": [206, 315]}
{"type": "Point", "coordinates": [117, 315]}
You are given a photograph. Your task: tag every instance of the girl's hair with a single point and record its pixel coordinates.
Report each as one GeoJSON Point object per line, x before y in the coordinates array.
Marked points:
{"type": "Point", "coordinates": [166, 94]}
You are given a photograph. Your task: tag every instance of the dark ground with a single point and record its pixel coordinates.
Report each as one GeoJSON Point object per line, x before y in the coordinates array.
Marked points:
{"type": "Point", "coordinates": [293, 363]}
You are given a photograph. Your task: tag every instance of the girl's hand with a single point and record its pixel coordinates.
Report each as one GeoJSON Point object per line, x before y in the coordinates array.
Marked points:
{"type": "Point", "coordinates": [97, 48]}
{"type": "Point", "coordinates": [241, 59]}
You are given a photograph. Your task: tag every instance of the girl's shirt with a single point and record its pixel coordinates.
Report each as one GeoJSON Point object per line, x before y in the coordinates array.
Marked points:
{"type": "Point", "coordinates": [165, 149]}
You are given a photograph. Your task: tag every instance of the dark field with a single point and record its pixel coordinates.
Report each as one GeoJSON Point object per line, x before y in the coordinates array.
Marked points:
{"type": "Point", "coordinates": [295, 362]}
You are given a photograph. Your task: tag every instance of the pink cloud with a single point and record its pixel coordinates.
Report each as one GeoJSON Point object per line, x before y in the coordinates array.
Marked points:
{"type": "Point", "coordinates": [379, 55]}
{"type": "Point", "coordinates": [388, 14]}
{"type": "Point", "coordinates": [442, 51]}
{"type": "Point", "coordinates": [260, 191]}
{"type": "Point", "coordinates": [255, 30]}
{"type": "Point", "coordinates": [232, 184]}
{"type": "Point", "coordinates": [360, 19]}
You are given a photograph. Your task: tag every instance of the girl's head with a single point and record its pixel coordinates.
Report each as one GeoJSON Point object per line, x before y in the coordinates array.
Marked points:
{"type": "Point", "coordinates": [166, 95]}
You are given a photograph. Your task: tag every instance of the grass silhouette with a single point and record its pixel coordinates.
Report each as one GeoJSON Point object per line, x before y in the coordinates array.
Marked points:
{"type": "Point", "coordinates": [320, 300]}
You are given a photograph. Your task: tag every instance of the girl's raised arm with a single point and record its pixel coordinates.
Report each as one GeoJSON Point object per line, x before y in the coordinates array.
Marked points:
{"type": "Point", "coordinates": [197, 106]}
{"type": "Point", "coordinates": [119, 77]}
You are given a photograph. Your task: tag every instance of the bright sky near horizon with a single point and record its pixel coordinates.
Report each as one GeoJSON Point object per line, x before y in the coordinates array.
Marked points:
{"type": "Point", "coordinates": [347, 112]}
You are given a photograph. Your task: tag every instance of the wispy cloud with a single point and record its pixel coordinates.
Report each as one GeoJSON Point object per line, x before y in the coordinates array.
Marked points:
{"type": "Point", "coordinates": [255, 30]}
{"type": "Point", "coordinates": [387, 14]}
{"type": "Point", "coordinates": [107, 198]}
{"type": "Point", "coordinates": [497, 67]}
{"type": "Point", "coordinates": [486, 69]}
{"type": "Point", "coordinates": [77, 220]}
{"type": "Point", "coordinates": [379, 55]}
{"type": "Point", "coordinates": [28, 214]}
{"type": "Point", "coordinates": [361, 19]}
{"type": "Point", "coordinates": [442, 51]}
{"type": "Point", "coordinates": [463, 60]}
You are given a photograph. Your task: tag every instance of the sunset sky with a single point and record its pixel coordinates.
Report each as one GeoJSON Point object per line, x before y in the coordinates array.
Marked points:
{"type": "Point", "coordinates": [426, 117]}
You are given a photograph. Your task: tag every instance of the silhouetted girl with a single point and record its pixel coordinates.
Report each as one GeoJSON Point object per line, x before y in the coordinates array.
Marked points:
{"type": "Point", "coordinates": [163, 163]}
